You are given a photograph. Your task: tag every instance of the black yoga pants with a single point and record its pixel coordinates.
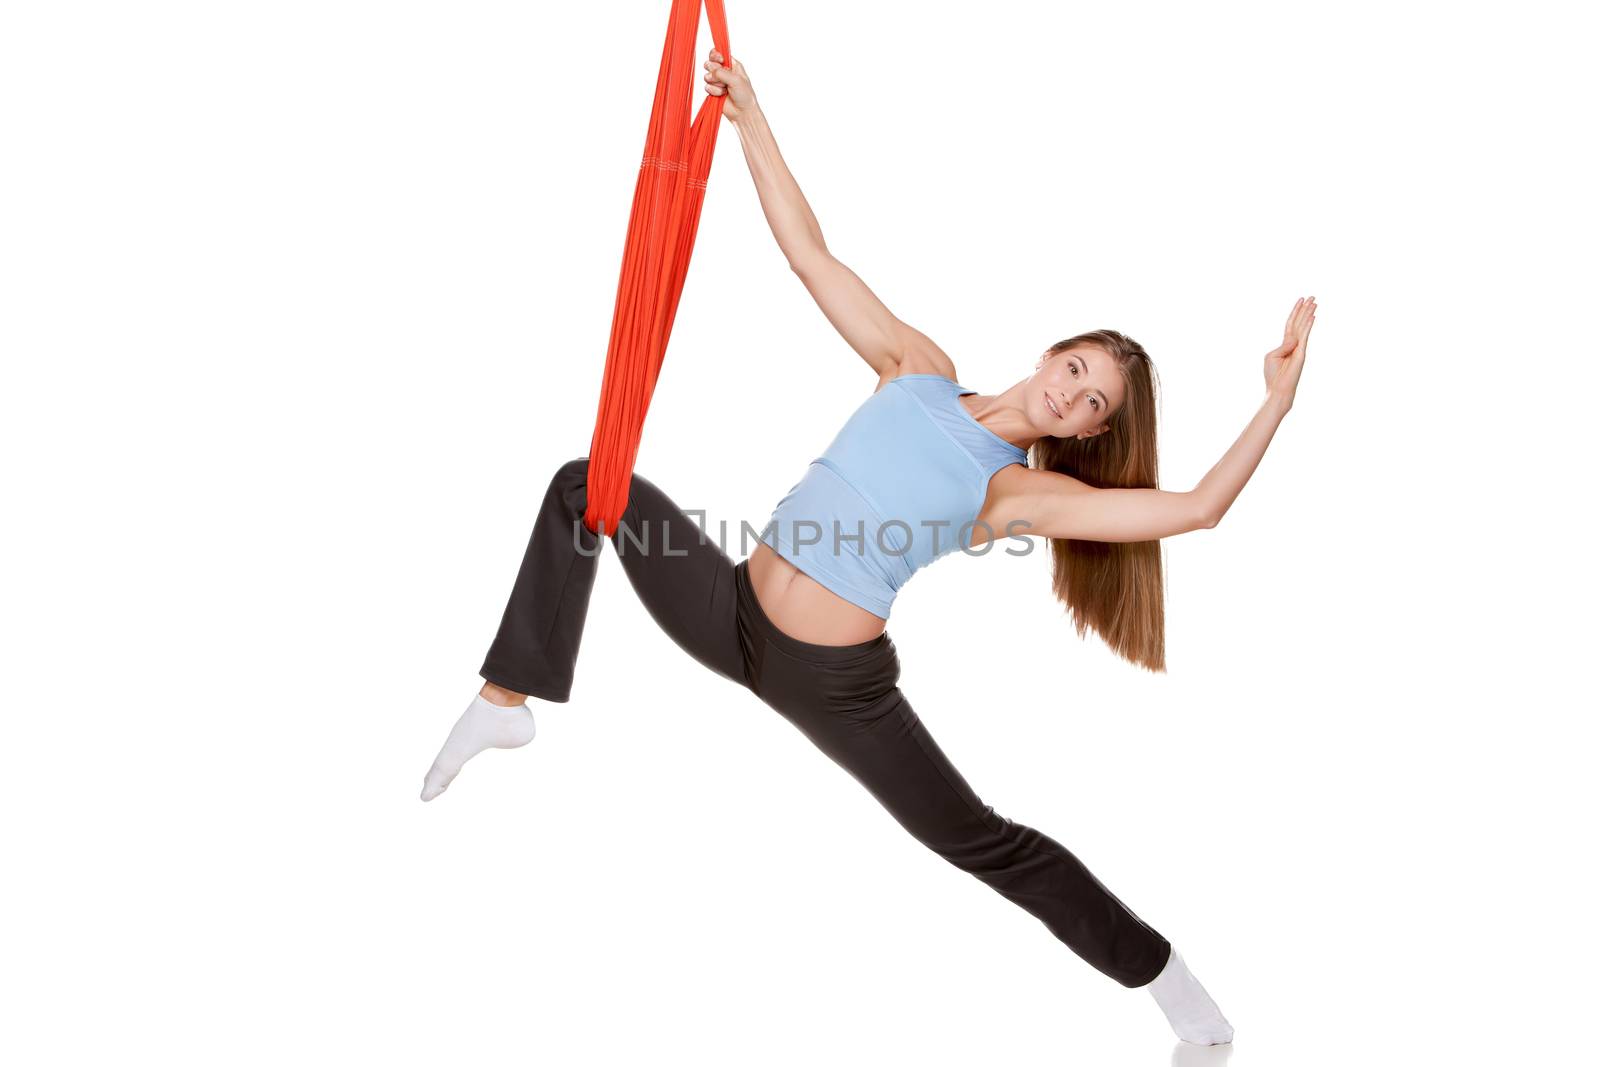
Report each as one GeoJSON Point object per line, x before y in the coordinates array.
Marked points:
{"type": "Point", "coordinates": [845, 698]}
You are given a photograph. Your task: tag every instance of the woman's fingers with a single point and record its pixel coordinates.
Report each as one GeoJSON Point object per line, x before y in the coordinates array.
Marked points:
{"type": "Point", "coordinates": [1303, 329]}
{"type": "Point", "coordinates": [715, 60]}
{"type": "Point", "coordinates": [1307, 317]}
{"type": "Point", "coordinates": [1300, 315]}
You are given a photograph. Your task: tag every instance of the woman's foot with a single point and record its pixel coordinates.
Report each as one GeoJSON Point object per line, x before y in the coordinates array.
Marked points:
{"type": "Point", "coordinates": [483, 725]}
{"type": "Point", "coordinates": [1187, 1055]}
{"type": "Point", "coordinates": [1188, 1007]}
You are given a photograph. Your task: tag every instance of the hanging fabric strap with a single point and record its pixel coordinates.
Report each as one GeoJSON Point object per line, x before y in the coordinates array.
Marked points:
{"type": "Point", "coordinates": [661, 231]}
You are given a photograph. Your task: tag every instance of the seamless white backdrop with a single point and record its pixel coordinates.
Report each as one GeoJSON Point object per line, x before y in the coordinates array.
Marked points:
{"type": "Point", "coordinates": [302, 303]}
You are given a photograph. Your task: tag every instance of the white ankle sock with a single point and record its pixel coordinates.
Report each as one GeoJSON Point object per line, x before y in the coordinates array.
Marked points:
{"type": "Point", "coordinates": [1188, 1007]}
{"type": "Point", "coordinates": [483, 725]}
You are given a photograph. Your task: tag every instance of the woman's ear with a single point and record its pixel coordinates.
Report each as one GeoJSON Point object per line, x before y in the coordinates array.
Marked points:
{"type": "Point", "coordinates": [1096, 432]}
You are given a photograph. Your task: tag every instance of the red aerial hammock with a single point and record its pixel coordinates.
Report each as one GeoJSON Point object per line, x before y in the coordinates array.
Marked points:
{"type": "Point", "coordinates": [661, 231]}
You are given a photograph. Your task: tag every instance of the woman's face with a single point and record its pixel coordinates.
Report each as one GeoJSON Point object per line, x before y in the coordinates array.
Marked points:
{"type": "Point", "coordinates": [1074, 392]}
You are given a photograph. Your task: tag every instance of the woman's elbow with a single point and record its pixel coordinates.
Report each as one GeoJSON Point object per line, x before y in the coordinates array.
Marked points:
{"type": "Point", "coordinates": [1206, 514]}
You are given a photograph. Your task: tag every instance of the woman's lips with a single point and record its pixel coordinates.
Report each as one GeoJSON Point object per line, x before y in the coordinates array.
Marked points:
{"type": "Point", "coordinates": [1051, 405]}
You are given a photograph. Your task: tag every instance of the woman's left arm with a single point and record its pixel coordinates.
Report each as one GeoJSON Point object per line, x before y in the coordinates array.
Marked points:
{"type": "Point", "coordinates": [1222, 484]}
{"type": "Point", "coordinates": [1048, 504]}
{"type": "Point", "coordinates": [1037, 503]}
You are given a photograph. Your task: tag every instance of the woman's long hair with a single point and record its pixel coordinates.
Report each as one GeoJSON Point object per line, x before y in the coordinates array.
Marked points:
{"type": "Point", "coordinates": [1114, 589]}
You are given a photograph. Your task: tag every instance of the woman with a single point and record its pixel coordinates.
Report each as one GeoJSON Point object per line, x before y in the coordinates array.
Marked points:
{"type": "Point", "coordinates": [923, 467]}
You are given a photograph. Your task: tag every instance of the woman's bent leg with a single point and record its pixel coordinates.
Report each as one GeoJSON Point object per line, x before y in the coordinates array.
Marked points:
{"type": "Point", "coordinates": [536, 648]}
{"type": "Point", "coordinates": [684, 580]}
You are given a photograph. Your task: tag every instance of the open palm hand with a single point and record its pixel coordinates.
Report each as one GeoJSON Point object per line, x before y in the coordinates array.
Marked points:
{"type": "Point", "coordinates": [1283, 364]}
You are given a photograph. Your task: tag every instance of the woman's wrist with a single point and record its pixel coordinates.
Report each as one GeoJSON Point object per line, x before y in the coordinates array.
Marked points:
{"type": "Point", "coordinates": [748, 115]}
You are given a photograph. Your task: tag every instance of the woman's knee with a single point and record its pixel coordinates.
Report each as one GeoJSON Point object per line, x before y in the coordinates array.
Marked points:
{"type": "Point", "coordinates": [566, 498]}
{"type": "Point", "coordinates": [571, 482]}
{"type": "Point", "coordinates": [573, 471]}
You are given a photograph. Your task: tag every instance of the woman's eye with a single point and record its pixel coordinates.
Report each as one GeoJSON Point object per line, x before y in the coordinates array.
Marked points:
{"type": "Point", "coordinates": [1093, 403]}
{"type": "Point", "coordinates": [1073, 368]}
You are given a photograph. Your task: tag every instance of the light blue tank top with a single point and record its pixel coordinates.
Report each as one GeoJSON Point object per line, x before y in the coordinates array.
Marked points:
{"type": "Point", "coordinates": [898, 487]}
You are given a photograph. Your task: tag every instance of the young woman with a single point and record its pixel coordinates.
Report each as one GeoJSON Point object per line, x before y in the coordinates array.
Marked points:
{"type": "Point", "coordinates": [923, 467]}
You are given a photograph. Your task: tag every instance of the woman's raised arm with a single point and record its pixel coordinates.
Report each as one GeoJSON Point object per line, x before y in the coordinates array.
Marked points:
{"type": "Point", "coordinates": [790, 217]}
{"type": "Point", "coordinates": [867, 326]}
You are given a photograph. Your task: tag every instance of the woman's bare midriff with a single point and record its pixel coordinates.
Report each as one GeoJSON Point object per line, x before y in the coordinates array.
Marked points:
{"type": "Point", "coordinates": [803, 607]}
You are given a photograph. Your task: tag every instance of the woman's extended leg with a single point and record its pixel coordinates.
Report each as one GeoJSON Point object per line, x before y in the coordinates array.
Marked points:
{"type": "Point", "coordinates": [887, 748]}
{"type": "Point", "coordinates": [846, 701]}
{"type": "Point", "coordinates": [683, 579]}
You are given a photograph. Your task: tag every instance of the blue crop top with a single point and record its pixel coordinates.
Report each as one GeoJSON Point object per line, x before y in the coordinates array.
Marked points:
{"type": "Point", "coordinates": [898, 488]}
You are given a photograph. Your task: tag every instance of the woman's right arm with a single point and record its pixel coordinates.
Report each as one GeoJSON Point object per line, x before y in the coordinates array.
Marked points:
{"type": "Point", "coordinates": [877, 335]}
{"type": "Point", "coordinates": [798, 234]}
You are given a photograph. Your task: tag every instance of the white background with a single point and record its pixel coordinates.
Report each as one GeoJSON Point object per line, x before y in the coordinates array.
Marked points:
{"type": "Point", "coordinates": [302, 303]}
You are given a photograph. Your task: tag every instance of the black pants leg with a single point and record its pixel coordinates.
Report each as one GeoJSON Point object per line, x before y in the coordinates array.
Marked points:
{"type": "Point", "coordinates": [684, 580]}
{"type": "Point", "coordinates": [845, 698]}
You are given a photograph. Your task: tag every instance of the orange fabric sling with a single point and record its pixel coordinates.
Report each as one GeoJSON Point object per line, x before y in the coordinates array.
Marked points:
{"type": "Point", "coordinates": [661, 231]}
